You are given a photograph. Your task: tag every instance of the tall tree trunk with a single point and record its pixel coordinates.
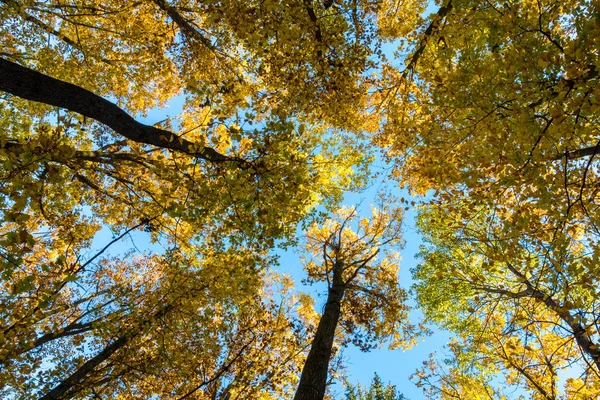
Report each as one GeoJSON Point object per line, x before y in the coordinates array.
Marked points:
{"type": "Point", "coordinates": [313, 380]}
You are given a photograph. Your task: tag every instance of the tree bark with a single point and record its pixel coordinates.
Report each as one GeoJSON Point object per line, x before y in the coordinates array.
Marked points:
{"type": "Point", "coordinates": [186, 28]}
{"type": "Point", "coordinates": [580, 153]}
{"type": "Point", "coordinates": [433, 26]}
{"type": "Point", "coordinates": [313, 380]}
{"type": "Point", "coordinates": [32, 85]}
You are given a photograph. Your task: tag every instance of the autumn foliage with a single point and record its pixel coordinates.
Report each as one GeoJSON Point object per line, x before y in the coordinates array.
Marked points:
{"type": "Point", "coordinates": [138, 254]}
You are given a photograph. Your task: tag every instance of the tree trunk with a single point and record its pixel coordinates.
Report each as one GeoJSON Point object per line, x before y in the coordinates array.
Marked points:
{"type": "Point", "coordinates": [313, 380]}
{"type": "Point", "coordinates": [580, 334]}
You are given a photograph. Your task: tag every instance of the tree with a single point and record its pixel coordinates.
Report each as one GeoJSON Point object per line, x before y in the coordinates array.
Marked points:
{"type": "Point", "coordinates": [519, 307]}
{"type": "Point", "coordinates": [189, 334]}
{"type": "Point", "coordinates": [260, 142]}
{"type": "Point", "coordinates": [376, 391]}
{"type": "Point", "coordinates": [497, 113]}
{"type": "Point", "coordinates": [363, 293]}
{"type": "Point", "coordinates": [218, 351]}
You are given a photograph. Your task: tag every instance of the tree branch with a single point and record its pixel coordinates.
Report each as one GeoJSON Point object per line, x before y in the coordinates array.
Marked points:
{"type": "Point", "coordinates": [183, 24]}
{"type": "Point", "coordinates": [224, 368]}
{"type": "Point", "coordinates": [580, 153]}
{"type": "Point", "coordinates": [581, 336]}
{"type": "Point", "coordinates": [77, 376]}
{"type": "Point", "coordinates": [442, 12]}
{"type": "Point", "coordinates": [32, 85]}
{"type": "Point", "coordinates": [313, 18]}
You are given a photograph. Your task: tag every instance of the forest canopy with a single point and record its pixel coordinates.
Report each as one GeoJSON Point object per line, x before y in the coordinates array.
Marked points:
{"type": "Point", "coordinates": [140, 259]}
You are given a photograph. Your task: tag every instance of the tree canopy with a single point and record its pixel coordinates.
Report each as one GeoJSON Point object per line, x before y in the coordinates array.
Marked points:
{"type": "Point", "coordinates": [139, 259]}
{"type": "Point", "coordinates": [376, 391]}
{"type": "Point", "coordinates": [212, 188]}
{"type": "Point", "coordinates": [501, 122]}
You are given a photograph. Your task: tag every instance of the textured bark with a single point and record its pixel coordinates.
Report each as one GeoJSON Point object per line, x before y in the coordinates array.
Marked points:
{"type": "Point", "coordinates": [313, 380]}
{"type": "Point", "coordinates": [32, 85]}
